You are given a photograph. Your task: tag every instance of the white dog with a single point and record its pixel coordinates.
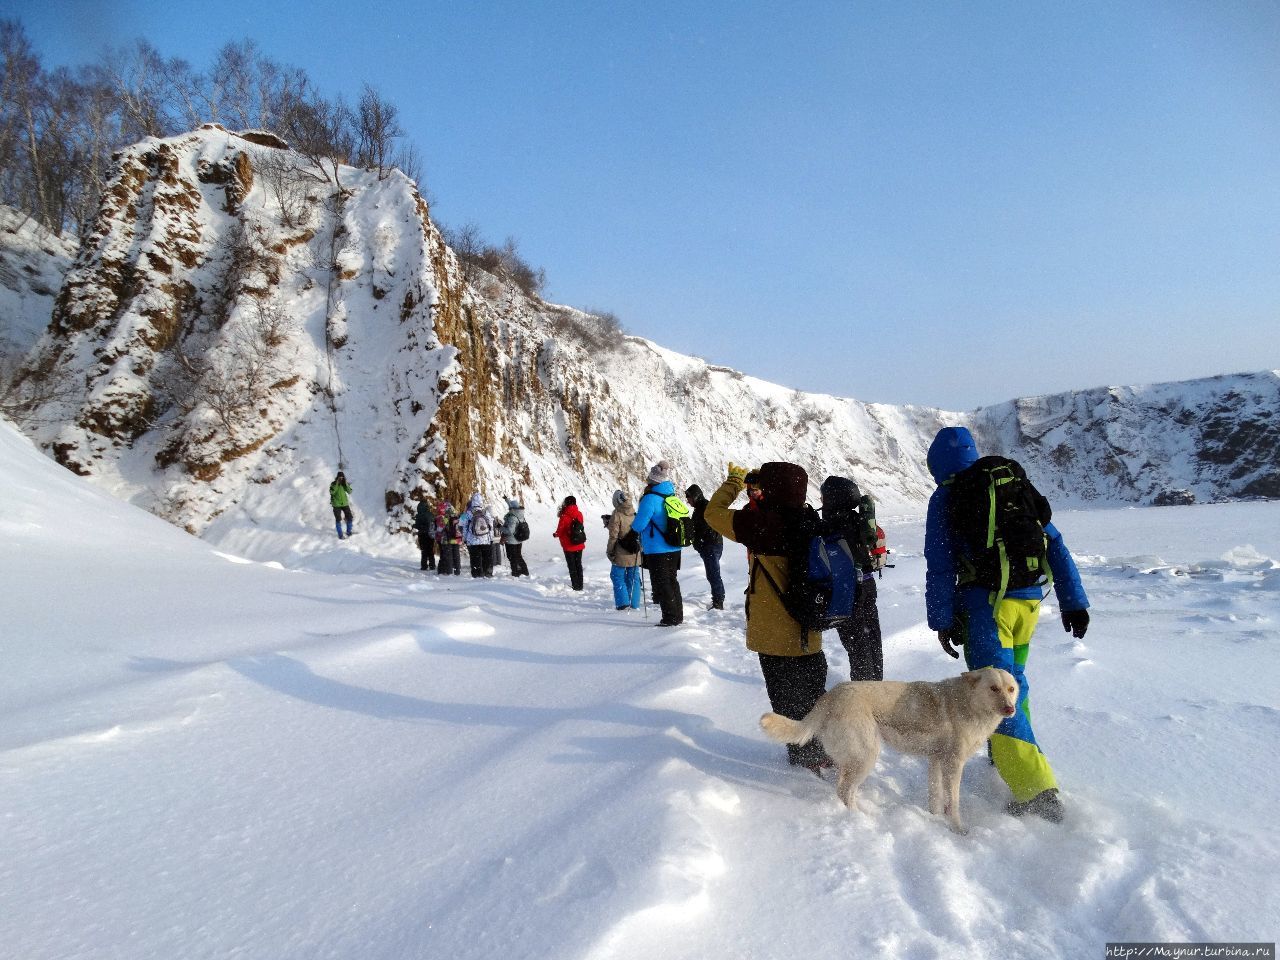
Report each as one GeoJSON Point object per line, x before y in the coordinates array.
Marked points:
{"type": "Point", "coordinates": [946, 722]}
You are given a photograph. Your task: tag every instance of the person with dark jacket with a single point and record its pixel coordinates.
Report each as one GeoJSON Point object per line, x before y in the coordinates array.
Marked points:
{"type": "Point", "coordinates": [625, 570]}
{"type": "Point", "coordinates": [569, 514]}
{"type": "Point", "coordinates": [661, 559]}
{"type": "Point", "coordinates": [450, 539]}
{"type": "Point", "coordinates": [424, 522]}
{"type": "Point", "coordinates": [860, 636]}
{"type": "Point", "coordinates": [708, 543]}
{"type": "Point", "coordinates": [340, 500]}
{"type": "Point", "coordinates": [962, 612]}
{"type": "Point", "coordinates": [513, 547]}
{"type": "Point", "coordinates": [791, 658]}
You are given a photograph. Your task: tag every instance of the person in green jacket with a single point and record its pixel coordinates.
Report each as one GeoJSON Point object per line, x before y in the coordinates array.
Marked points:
{"type": "Point", "coordinates": [340, 500]}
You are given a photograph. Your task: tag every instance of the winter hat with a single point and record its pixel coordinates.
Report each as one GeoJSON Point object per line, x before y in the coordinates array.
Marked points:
{"type": "Point", "coordinates": [513, 503]}
{"type": "Point", "coordinates": [784, 484]}
{"type": "Point", "coordinates": [618, 498]}
{"type": "Point", "coordinates": [839, 494]}
{"type": "Point", "coordinates": [693, 492]}
{"type": "Point", "coordinates": [952, 450]}
{"type": "Point", "coordinates": [476, 502]}
{"type": "Point", "coordinates": [661, 472]}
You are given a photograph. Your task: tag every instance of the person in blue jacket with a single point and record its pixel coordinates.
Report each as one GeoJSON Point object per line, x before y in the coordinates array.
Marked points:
{"type": "Point", "coordinates": [661, 559]}
{"type": "Point", "coordinates": [996, 636]}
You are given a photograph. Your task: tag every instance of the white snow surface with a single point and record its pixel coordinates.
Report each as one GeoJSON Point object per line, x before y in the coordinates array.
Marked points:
{"type": "Point", "coordinates": [333, 754]}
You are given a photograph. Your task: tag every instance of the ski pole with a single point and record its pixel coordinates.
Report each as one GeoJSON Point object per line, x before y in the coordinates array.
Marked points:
{"type": "Point", "coordinates": [643, 590]}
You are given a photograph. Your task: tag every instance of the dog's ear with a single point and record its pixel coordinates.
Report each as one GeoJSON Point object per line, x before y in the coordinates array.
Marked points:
{"type": "Point", "coordinates": [973, 677]}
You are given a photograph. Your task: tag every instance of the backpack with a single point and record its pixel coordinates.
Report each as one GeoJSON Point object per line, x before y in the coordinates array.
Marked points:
{"type": "Point", "coordinates": [481, 526]}
{"type": "Point", "coordinates": [872, 551]}
{"type": "Point", "coordinates": [679, 529]}
{"type": "Point", "coordinates": [577, 532]}
{"type": "Point", "coordinates": [880, 553]}
{"type": "Point", "coordinates": [822, 576]}
{"type": "Point", "coordinates": [522, 531]}
{"type": "Point", "coordinates": [451, 529]}
{"type": "Point", "coordinates": [998, 516]}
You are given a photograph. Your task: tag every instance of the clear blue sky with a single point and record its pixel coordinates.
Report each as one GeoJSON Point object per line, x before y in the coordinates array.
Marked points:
{"type": "Point", "coordinates": [941, 203]}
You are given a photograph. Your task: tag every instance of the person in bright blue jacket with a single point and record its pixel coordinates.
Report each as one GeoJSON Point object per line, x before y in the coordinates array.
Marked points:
{"type": "Point", "coordinates": [661, 559]}
{"type": "Point", "coordinates": [1000, 635]}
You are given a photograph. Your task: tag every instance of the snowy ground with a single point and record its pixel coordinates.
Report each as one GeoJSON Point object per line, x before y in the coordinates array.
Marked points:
{"type": "Point", "coordinates": [206, 757]}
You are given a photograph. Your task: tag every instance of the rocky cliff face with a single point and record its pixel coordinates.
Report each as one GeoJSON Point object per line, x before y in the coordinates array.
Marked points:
{"type": "Point", "coordinates": [238, 326]}
{"type": "Point", "coordinates": [1201, 440]}
{"type": "Point", "coordinates": [32, 264]}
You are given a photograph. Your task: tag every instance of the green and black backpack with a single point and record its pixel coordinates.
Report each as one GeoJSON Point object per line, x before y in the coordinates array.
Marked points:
{"type": "Point", "coordinates": [679, 529]}
{"type": "Point", "coordinates": [998, 517]}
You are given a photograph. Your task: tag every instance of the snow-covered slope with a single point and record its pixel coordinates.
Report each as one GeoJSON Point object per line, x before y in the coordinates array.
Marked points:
{"type": "Point", "coordinates": [32, 264]}
{"type": "Point", "coordinates": [205, 757]}
{"type": "Point", "coordinates": [238, 326]}
{"type": "Point", "coordinates": [1200, 440]}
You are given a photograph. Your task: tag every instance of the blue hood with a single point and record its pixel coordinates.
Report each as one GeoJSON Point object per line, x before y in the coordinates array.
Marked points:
{"type": "Point", "coordinates": [665, 489]}
{"type": "Point", "coordinates": [952, 450]}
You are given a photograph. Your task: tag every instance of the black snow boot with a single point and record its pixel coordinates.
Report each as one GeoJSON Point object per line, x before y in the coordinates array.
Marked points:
{"type": "Point", "coordinates": [1044, 804]}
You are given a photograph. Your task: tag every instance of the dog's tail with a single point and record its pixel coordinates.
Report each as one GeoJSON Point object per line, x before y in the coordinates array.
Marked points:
{"type": "Point", "coordinates": [786, 730]}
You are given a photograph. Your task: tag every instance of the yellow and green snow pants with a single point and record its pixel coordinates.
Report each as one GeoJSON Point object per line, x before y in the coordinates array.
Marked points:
{"type": "Point", "coordinates": [1001, 637]}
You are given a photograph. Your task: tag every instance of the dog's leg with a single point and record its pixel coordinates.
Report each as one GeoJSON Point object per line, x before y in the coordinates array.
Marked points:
{"type": "Point", "coordinates": [852, 774]}
{"type": "Point", "coordinates": [952, 769]}
{"type": "Point", "coordinates": [935, 786]}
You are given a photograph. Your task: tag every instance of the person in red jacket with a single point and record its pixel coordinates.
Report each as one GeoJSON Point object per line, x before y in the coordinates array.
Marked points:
{"type": "Point", "coordinates": [572, 535]}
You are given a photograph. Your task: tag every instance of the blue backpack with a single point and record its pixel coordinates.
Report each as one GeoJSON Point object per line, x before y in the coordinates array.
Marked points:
{"type": "Point", "coordinates": [822, 577]}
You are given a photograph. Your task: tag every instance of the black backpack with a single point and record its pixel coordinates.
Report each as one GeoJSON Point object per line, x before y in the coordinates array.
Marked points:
{"type": "Point", "coordinates": [998, 517]}
{"type": "Point", "coordinates": [822, 575]}
{"type": "Point", "coordinates": [577, 532]}
{"type": "Point", "coordinates": [522, 531]}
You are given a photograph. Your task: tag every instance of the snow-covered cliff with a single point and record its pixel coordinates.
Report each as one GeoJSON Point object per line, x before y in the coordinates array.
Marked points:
{"type": "Point", "coordinates": [238, 325]}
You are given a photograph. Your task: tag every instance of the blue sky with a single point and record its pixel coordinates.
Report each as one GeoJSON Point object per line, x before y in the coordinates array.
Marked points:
{"type": "Point", "coordinates": [941, 203]}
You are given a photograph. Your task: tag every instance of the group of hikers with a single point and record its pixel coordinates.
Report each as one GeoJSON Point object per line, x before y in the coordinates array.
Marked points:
{"type": "Point", "coordinates": [991, 552]}
{"type": "Point", "coordinates": [486, 537]}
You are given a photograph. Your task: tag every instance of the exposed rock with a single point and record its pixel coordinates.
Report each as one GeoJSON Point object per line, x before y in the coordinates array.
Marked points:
{"type": "Point", "coordinates": [376, 355]}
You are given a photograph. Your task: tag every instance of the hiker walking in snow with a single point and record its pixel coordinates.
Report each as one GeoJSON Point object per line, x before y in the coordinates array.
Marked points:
{"type": "Point", "coordinates": [860, 636]}
{"type": "Point", "coordinates": [791, 659]}
{"type": "Point", "coordinates": [625, 570]}
{"type": "Point", "coordinates": [449, 537]}
{"type": "Point", "coordinates": [340, 500]}
{"type": "Point", "coordinates": [660, 558]}
{"type": "Point", "coordinates": [979, 597]}
{"type": "Point", "coordinates": [424, 522]}
{"type": "Point", "coordinates": [708, 543]}
{"type": "Point", "coordinates": [477, 533]}
{"type": "Point", "coordinates": [515, 530]}
{"type": "Point", "coordinates": [573, 538]}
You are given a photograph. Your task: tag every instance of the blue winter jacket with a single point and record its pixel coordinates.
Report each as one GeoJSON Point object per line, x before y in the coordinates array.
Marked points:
{"type": "Point", "coordinates": [952, 450]}
{"type": "Point", "coordinates": [651, 519]}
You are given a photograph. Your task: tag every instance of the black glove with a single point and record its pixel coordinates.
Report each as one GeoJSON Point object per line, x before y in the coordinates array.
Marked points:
{"type": "Point", "coordinates": [1075, 622]}
{"type": "Point", "coordinates": [630, 541]}
{"type": "Point", "coordinates": [952, 635]}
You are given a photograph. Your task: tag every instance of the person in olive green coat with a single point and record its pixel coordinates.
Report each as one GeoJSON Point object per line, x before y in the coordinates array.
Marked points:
{"type": "Point", "coordinates": [340, 500]}
{"type": "Point", "coordinates": [791, 658]}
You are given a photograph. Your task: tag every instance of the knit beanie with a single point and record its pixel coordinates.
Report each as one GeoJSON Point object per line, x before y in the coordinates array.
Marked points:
{"type": "Point", "coordinates": [661, 472]}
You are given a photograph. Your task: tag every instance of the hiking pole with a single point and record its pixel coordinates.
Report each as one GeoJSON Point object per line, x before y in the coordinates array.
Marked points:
{"type": "Point", "coordinates": [644, 593]}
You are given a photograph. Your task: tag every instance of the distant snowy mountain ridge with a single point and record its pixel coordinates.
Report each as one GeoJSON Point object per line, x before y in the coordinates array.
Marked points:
{"type": "Point", "coordinates": [238, 325]}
